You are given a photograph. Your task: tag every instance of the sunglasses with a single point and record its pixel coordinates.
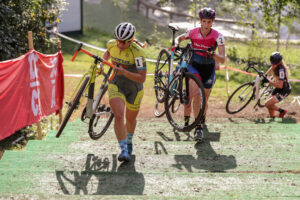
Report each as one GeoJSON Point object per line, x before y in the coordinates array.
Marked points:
{"type": "Point", "coordinates": [123, 42]}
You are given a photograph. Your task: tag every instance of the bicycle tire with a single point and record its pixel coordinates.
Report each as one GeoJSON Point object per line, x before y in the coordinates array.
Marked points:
{"type": "Point", "coordinates": [102, 109]}
{"type": "Point", "coordinates": [177, 121]}
{"type": "Point", "coordinates": [157, 111]}
{"type": "Point", "coordinates": [161, 75]}
{"type": "Point", "coordinates": [74, 104]}
{"type": "Point", "coordinates": [240, 108]}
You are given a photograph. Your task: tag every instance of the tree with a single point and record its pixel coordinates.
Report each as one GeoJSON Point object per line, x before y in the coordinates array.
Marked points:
{"type": "Point", "coordinates": [17, 17]}
{"type": "Point", "coordinates": [277, 12]}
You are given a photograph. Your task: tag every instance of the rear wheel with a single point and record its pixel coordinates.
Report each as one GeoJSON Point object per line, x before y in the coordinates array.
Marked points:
{"type": "Point", "coordinates": [240, 98]}
{"type": "Point", "coordinates": [102, 118]}
{"type": "Point", "coordinates": [185, 97]}
{"type": "Point", "coordinates": [72, 106]}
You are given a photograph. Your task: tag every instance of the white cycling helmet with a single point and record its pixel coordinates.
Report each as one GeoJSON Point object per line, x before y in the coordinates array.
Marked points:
{"type": "Point", "coordinates": [124, 31]}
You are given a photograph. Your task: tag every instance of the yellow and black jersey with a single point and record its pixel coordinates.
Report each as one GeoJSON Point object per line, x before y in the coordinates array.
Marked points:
{"type": "Point", "coordinates": [132, 58]}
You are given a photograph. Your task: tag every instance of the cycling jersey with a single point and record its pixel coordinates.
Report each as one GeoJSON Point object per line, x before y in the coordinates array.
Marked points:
{"type": "Point", "coordinates": [133, 60]}
{"type": "Point", "coordinates": [200, 63]}
{"type": "Point", "coordinates": [281, 93]}
{"type": "Point", "coordinates": [212, 39]}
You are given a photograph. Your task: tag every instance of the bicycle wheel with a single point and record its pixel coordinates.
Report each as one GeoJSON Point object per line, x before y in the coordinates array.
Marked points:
{"type": "Point", "coordinates": [73, 105]}
{"type": "Point", "coordinates": [102, 118]}
{"type": "Point", "coordinates": [185, 89]}
{"type": "Point", "coordinates": [161, 75]}
{"type": "Point", "coordinates": [266, 93]}
{"type": "Point", "coordinates": [240, 98]}
{"type": "Point", "coordinates": [159, 109]}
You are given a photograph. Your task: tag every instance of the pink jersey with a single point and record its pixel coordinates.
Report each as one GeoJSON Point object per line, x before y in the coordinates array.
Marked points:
{"type": "Point", "coordinates": [213, 39]}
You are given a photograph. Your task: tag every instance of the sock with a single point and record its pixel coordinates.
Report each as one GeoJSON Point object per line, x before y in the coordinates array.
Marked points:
{"type": "Point", "coordinates": [186, 120]}
{"type": "Point", "coordinates": [123, 145]}
{"type": "Point", "coordinates": [280, 110]}
{"type": "Point", "coordinates": [129, 138]}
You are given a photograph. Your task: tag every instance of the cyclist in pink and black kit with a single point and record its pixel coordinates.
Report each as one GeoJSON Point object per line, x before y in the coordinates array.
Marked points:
{"type": "Point", "coordinates": [203, 65]}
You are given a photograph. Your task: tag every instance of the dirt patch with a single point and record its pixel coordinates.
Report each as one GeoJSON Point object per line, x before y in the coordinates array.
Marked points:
{"type": "Point", "coordinates": [216, 109]}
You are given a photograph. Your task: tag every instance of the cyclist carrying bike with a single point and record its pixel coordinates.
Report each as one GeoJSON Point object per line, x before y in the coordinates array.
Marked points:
{"type": "Point", "coordinates": [203, 65]}
{"type": "Point", "coordinates": [281, 83]}
{"type": "Point", "coordinates": [126, 89]}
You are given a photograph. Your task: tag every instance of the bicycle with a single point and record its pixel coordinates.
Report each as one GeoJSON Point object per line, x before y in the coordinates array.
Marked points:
{"type": "Point", "coordinates": [172, 86]}
{"type": "Point", "coordinates": [163, 74]}
{"type": "Point", "coordinates": [96, 110]}
{"type": "Point", "coordinates": [246, 92]}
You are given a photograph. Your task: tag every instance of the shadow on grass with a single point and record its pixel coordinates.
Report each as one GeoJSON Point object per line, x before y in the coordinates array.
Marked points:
{"type": "Point", "coordinates": [207, 159]}
{"type": "Point", "coordinates": [102, 176]}
{"type": "Point", "coordinates": [270, 120]}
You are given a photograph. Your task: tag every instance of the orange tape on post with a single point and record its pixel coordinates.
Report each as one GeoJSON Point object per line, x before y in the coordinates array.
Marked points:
{"type": "Point", "coordinates": [238, 70]}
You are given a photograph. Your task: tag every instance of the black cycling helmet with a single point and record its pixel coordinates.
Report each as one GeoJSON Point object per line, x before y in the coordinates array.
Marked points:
{"type": "Point", "coordinates": [207, 13]}
{"type": "Point", "coordinates": [124, 31]}
{"type": "Point", "coordinates": [275, 58]}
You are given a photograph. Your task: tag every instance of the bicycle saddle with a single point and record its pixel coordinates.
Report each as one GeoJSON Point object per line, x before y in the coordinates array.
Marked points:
{"type": "Point", "coordinates": [173, 27]}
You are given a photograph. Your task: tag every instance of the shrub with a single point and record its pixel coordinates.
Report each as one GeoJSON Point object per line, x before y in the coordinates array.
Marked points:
{"type": "Point", "coordinates": [17, 17]}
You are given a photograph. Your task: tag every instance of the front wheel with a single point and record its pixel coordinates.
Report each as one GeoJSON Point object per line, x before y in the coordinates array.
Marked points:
{"type": "Point", "coordinates": [240, 98]}
{"type": "Point", "coordinates": [72, 106]}
{"type": "Point", "coordinates": [102, 117]}
{"type": "Point", "coordinates": [185, 97]}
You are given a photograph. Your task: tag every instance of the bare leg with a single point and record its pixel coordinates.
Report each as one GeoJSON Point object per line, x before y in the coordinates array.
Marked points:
{"type": "Point", "coordinates": [270, 104]}
{"type": "Point", "coordinates": [131, 120]}
{"type": "Point", "coordinates": [118, 108]}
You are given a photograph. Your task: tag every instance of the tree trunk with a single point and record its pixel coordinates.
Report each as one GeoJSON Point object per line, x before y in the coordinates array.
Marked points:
{"type": "Point", "coordinates": [278, 27]}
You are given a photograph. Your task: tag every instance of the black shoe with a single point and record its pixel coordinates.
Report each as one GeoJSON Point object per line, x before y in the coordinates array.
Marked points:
{"type": "Point", "coordinates": [198, 134]}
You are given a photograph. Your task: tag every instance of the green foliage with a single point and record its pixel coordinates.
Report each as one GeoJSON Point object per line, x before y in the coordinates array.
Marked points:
{"type": "Point", "coordinates": [17, 17]}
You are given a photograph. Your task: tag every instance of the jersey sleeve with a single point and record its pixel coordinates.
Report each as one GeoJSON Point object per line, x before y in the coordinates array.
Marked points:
{"type": "Point", "coordinates": [220, 40]}
{"type": "Point", "coordinates": [110, 44]}
{"type": "Point", "coordinates": [140, 59]}
{"type": "Point", "coordinates": [281, 74]}
{"type": "Point", "coordinates": [187, 34]}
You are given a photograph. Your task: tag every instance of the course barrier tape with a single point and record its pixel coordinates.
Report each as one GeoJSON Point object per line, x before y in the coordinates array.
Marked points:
{"type": "Point", "coordinates": [91, 46]}
{"type": "Point", "coordinates": [147, 59]}
{"type": "Point", "coordinates": [248, 73]}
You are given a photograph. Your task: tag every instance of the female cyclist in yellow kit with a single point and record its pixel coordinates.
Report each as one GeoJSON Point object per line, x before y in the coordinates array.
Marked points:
{"type": "Point", "coordinates": [126, 89]}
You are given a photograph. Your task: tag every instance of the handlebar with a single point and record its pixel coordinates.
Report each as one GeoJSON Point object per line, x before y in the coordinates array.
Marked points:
{"type": "Point", "coordinates": [188, 48]}
{"type": "Point", "coordinates": [260, 73]}
{"type": "Point", "coordinates": [97, 58]}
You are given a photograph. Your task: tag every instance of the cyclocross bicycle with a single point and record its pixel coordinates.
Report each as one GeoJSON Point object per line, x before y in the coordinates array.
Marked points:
{"type": "Point", "coordinates": [96, 110]}
{"type": "Point", "coordinates": [172, 87]}
{"type": "Point", "coordinates": [246, 92]}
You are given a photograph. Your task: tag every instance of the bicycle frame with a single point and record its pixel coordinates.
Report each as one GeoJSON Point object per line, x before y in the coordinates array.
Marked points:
{"type": "Point", "coordinates": [91, 104]}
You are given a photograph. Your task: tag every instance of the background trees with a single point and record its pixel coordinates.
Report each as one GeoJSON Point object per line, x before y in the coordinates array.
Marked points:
{"type": "Point", "coordinates": [19, 16]}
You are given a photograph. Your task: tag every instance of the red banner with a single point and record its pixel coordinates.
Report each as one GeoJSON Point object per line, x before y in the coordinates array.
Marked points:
{"type": "Point", "coordinates": [31, 87]}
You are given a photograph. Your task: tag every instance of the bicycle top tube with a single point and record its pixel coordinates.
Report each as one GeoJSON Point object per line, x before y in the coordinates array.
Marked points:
{"type": "Point", "coordinates": [96, 58]}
